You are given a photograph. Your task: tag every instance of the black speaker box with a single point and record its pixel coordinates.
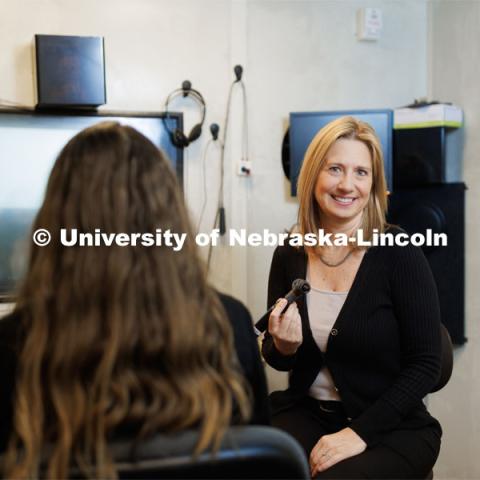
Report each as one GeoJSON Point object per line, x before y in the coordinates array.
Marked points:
{"type": "Point", "coordinates": [427, 156]}
{"type": "Point", "coordinates": [442, 209]}
{"type": "Point", "coordinates": [70, 71]}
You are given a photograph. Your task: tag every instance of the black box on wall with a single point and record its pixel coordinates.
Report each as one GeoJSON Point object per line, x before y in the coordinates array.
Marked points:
{"type": "Point", "coordinates": [70, 71]}
{"type": "Point", "coordinates": [427, 156]}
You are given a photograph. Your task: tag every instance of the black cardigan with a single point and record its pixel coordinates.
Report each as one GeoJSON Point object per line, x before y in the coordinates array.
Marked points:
{"type": "Point", "coordinates": [384, 348]}
{"type": "Point", "coordinates": [245, 344]}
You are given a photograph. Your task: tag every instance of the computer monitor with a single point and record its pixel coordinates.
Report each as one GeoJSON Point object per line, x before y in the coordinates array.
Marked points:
{"type": "Point", "coordinates": [304, 126]}
{"type": "Point", "coordinates": [29, 145]}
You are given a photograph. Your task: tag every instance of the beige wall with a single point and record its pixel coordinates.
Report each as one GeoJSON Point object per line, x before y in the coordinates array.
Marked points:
{"type": "Point", "coordinates": [454, 73]}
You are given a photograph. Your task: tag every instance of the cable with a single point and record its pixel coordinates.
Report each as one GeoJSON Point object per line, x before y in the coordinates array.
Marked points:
{"type": "Point", "coordinates": [204, 170]}
{"type": "Point", "coordinates": [245, 123]}
{"type": "Point", "coordinates": [238, 70]}
{"type": "Point", "coordinates": [217, 212]}
{"type": "Point", "coordinates": [210, 247]}
{"type": "Point", "coordinates": [220, 218]}
{"type": "Point", "coordinates": [186, 175]}
{"type": "Point", "coordinates": [221, 196]}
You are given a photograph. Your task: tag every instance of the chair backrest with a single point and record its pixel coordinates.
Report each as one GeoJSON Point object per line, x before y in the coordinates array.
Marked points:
{"type": "Point", "coordinates": [245, 452]}
{"type": "Point", "coordinates": [447, 359]}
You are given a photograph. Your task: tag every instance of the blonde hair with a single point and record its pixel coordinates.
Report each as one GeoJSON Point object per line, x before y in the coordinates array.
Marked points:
{"type": "Point", "coordinates": [309, 214]}
{"type": "Point", "coordinates": [120, 336]}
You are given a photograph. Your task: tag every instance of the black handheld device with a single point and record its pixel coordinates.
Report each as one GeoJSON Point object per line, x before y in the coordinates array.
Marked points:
{"type": "Point", "coordinates": [299, 287]}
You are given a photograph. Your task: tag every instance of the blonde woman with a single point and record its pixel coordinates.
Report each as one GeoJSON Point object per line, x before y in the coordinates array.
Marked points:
{"type": "Point", "coordinates": [364, 348]}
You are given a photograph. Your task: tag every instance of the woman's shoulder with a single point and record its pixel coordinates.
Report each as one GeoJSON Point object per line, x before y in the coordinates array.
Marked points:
{"type": "Point", "coordinates": [10, 326]}
{"type": "Point", "coordinates": [235, 308]}
{"type": "Point", "coordinates": [287, 251]}
{"type": "Point", "coordinates": [397, 248]}
{"type": "Point", "coordinates": [395, 229]}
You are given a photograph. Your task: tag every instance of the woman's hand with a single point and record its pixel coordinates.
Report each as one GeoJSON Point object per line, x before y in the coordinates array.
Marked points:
{"type": "Point", "coordinates": [285, 329]}
{"type": "Point", "coordinates": [334, 448]}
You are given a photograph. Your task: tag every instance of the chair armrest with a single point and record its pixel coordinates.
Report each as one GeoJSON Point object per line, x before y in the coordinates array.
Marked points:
{"type": "Point", "coordinates": [447, 359]}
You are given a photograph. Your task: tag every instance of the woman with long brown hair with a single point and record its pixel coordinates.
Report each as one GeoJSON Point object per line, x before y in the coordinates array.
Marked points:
{"type": "Point", "coordinates": [112, 339]}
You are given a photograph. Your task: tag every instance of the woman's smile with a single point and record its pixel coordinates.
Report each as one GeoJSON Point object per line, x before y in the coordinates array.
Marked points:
{"type": "Point", "coordinates": [344, 201]}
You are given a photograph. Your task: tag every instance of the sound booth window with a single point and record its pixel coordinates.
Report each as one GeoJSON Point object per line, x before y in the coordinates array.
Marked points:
{"type": "Point", "coordinates": [29, 145]}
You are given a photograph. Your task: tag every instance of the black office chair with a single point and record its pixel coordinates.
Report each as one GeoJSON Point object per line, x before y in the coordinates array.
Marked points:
{"type": "Point", "coordinates": [446, 369]}
{"type": "Point", "coordinates": [447, 359]}
{"type": "Point", "coordinates": [246, 452]}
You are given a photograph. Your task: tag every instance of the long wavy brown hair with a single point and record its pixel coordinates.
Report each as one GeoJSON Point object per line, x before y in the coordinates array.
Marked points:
{"type": "Point", "coordinates": [116, 338]}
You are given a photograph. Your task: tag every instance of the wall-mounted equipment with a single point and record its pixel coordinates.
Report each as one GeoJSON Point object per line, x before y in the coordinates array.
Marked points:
{"type": "Point", "coordinates": [304, 126]}
{"type": "Point", "coordinates": [428, 143]}
{"type": "Point", "coordinates": [369, 24]}
{"type": "Point", "coordinates": [429, 195]}
{"type": "Point", "coordinates": [179, 139]}
{"type": "Point", "coordinates": [70, 71]}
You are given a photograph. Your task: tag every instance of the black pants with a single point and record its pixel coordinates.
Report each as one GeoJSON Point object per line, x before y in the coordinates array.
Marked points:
{"type": "Point", "coordinates": [402, 454]}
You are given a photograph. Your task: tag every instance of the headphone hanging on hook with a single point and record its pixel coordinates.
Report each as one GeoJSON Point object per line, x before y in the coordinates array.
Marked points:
{"type": "Point", "coordinates": [179, 139]}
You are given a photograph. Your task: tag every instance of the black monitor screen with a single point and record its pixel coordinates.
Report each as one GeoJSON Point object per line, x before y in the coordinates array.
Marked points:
{"type": "Point", "coordinates": [29, 145]}
{"type": "Point", "coordinates": [304, 126]}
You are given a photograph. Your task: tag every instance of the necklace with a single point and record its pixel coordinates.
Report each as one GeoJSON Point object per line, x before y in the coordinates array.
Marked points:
{"type": "Point", "coordinates": [337, 264]}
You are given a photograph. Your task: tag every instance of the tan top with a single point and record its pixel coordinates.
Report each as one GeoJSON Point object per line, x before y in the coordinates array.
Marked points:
{"type": "Point", "coordinates": [323, 309]}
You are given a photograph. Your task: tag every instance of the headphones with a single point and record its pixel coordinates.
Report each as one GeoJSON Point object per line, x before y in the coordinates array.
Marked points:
{"type": "Point", "coordinates": [179, 139]}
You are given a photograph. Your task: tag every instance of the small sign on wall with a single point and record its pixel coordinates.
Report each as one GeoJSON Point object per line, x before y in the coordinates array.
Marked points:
{"type": "Point", "coordinates": [369, 24]}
